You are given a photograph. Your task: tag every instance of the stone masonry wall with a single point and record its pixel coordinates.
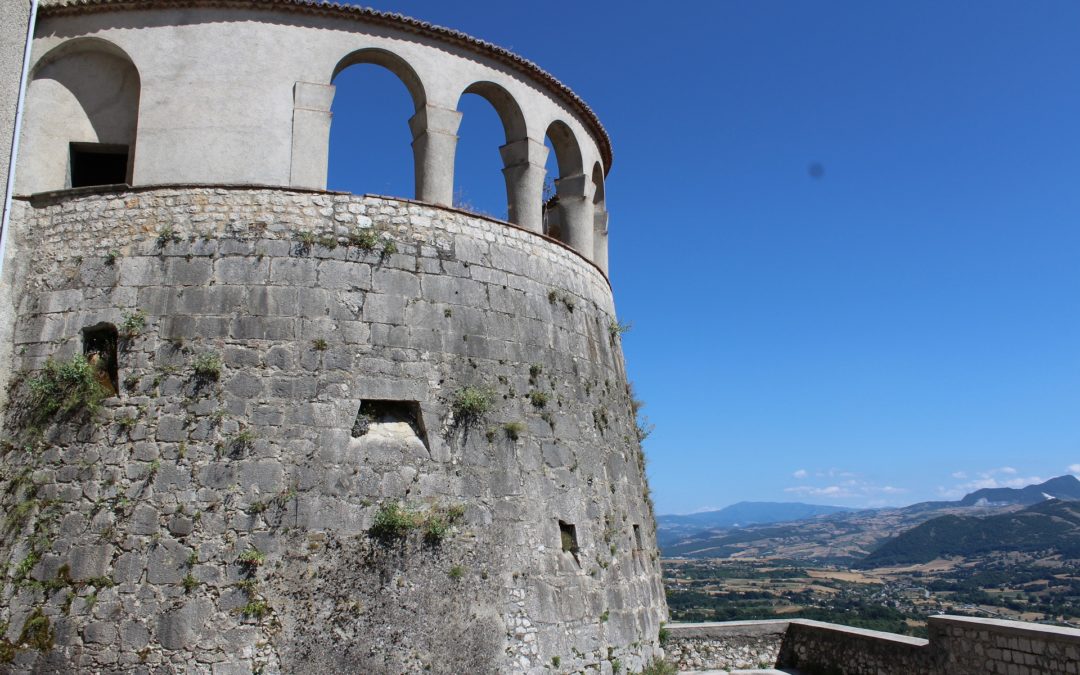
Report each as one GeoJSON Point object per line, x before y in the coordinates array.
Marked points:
{"type": "Point", "coordinates": [997, 647]}
{"type": "Point", "coordinates": [814, 647]}
{"type": "Point", "coordinates": [734, 645]}
{"type": "Point", "coordinates": [219, 521]}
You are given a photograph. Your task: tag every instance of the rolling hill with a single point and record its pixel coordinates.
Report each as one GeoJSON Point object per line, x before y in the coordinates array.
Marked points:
{"type": "Point", "coordinates": [845, 537]}
{"type": "Point", "coordinates": [1062, 487]}
{"type": "Point", "coordinates": [1052, 526]}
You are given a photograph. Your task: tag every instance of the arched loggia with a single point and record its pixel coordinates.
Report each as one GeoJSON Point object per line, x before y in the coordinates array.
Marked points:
{"type": "Point", "coordinates": [568, 215]}
{"type": "Point", "coordinates": [522, 176]}
{"type": "Point", "coordinates": [81, 122]}
{"type": "Point", "coordinates": [365, 155]}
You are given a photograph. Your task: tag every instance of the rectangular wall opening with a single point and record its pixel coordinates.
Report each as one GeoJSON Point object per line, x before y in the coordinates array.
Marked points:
{"type": "Point", "coordinates": [637, 537]}
{"type": "Point", "coordinates": [99, 348]}
{"type": "Point", "coordinates": [568, 537]}
{"type": "Point", "coordinates": [373, 413]}
{"type": "Point", "coordinates": [98, 164]}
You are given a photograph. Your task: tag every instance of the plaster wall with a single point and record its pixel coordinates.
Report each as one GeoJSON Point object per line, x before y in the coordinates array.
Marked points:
{"type": "Point", "coordinates": [14, 24]}
{"type": "Point", "coordinates": [129, 530]}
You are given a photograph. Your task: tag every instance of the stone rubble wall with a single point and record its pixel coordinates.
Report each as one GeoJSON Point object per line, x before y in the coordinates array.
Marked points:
{"type": "Point", "coordinates": [125, 535]}
{"type": "Point", "coordinates": [957, 646]}
{"type": "Point", "coordinates": [734, 645]}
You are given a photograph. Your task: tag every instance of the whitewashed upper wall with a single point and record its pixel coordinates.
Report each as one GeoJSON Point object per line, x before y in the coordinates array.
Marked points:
{"type": "Point", "coordinates": [217, 85]}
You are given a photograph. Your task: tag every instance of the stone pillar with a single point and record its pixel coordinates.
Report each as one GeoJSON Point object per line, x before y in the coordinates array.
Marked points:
{"type": "Point", "coordinates": [600, 238]}
{"type": "Point", "coordinates": [576, 213]}
{"type": "Point", "coordinates": [311, 134]}
{"type": "Point", "coordinates": [523, 162]}
{"type": "Point", "coordinates": [434, 131]}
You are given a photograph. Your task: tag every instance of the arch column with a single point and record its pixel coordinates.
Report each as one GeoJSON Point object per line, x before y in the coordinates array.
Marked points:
{"type": "Point", "coordinates": [311, 134]}
{"type": "Point", "coordinates": [523, 169]}
{"type": "Point", "coordinates": [434, 131]}
{"type": "Point", "coordinates": [576, 213]}
{"type": "Point", "coordinates": [600, 239]}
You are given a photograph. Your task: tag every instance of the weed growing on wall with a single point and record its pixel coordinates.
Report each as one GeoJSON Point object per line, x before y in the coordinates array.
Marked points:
{"type": "Point", "coordinates": [64, 388]}
{"type": "Point", "coordinates": [133, 324]}
{"type": "Point", "coordinates": [470, 404]}
{"type": "Point", "coordinates": [207, 366]}
{"type": "Point", "coordinates": [394, 522]}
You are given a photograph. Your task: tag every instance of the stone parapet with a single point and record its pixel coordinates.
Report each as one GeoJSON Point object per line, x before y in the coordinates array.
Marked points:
{"type": "Point", "coordinates": [957, 646]}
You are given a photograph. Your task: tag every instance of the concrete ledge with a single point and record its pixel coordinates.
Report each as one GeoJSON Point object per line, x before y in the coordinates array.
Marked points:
{"type": "Point", "coordinates": [728, 629]}
{"type": "Point", "coordinates": [861, 633]}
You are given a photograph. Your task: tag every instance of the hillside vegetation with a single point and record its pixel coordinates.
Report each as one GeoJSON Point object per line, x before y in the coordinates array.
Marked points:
{"type": "Point", "coordinates": [1052, 526]}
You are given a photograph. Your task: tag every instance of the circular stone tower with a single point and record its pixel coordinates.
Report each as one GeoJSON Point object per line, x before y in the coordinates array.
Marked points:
{"type": "Point", "coordinates": [255, 426]}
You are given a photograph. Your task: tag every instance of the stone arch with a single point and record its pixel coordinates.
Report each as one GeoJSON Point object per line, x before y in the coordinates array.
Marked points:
{"type": "Point", "coordinates": [515, 151]}
{"type": "Point", "coordinates": [313, 170]}
{"type": "Point", "coordinates": [392, 62]}
{"type": "Point", "coordinates": [513, 120]}
{"type": "Point", "coordinates": [567, 216]}
{"type": "Point", "coordinates": [600, 219]}
{"type": "Point", "coordinates": [567, 150]}
{"type": "Point", "coordinates": [82, 116]}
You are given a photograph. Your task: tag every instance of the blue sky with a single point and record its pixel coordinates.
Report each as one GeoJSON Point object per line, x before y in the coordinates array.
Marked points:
{"type": "Point", "coordinates": [903, 327]}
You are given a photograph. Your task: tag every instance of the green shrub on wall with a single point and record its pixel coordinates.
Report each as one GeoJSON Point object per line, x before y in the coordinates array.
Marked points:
{"type": "Point", "coordinates": [65, 388]}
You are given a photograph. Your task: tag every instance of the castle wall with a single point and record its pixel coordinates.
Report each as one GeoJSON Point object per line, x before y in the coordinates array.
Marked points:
{"type": "Point", "coordinates": [129, 531]}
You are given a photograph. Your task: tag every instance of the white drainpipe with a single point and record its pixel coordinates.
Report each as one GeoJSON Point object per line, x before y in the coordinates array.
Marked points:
{"type": "Point", "coordinates": [4, 225]}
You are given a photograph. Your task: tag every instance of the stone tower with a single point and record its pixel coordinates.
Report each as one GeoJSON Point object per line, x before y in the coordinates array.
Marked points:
{"type": "Point", "coordinates": [255, 426]}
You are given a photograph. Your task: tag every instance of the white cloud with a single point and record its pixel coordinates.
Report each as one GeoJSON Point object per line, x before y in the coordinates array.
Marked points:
{"type": "Point", "coordinates": [1000, 477]}
{"type": "Point", "coordinates": [803, 473]}
{"type": "Point", "coordinates": [849, 489]}
{"type": "Point", "coordinates": [1074, 468]}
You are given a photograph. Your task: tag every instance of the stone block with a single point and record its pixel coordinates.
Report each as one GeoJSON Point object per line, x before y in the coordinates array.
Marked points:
{"type": "Point", "coordinates": [263, 328]}
{"type": "Point", "coordinates": [87, 562]}
{"type": "Point", "coordinates": [100, 632]}
{"type": "Point", "coordinates": [384, 309]}
{"type": "Point", "coordinates": [181, 627]}
{"type": "Point", "coordinates": [194, 272]}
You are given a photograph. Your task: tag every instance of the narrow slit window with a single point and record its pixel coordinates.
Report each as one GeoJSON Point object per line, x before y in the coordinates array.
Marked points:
{"type": "Point", "coordinates": [637, 537]}
{"type": "Point", "coordinates": [99, 348]}
{"type": "Point", "coordinates": [98, 164]}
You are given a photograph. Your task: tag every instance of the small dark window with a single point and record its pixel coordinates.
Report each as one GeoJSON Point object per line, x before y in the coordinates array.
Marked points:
{"type": "Point", "coordinates": [568, 536]}
{"type": "Point", "coordinates": [637, 537]}
{"type": "Point", "coordinates": [98, 164]}
{"type": "Point", "coordinates": [99, 347]}
{"type": "Point", "coordinates": [385, 412]}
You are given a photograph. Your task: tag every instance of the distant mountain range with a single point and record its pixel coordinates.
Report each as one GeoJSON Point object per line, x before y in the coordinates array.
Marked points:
{"type": "Point", "coordinates": [740, 515]}
{"type": "Point", "coordinates": [845, 536]}
{"type": "Point", "coordinates": [1062, 487]}
{"type": "Point", "coordinates": [1051, 526]}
